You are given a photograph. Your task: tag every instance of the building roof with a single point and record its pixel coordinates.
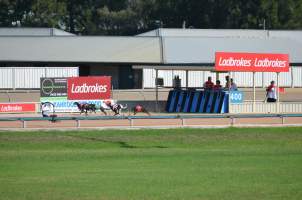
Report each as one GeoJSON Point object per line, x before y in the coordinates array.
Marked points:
{"type": "Point", "coordinates": [78, 49]}
{"type": "Point", "coordinates": [195, 47]}
{"type": "Point", "coordinates": [225, 33]}
{"type": "Point", "coordinates": [198, 46]}
{"type": "Point", "coordinates": [184, 50]}
{"type": "Point", "coordinates": [20, 31]}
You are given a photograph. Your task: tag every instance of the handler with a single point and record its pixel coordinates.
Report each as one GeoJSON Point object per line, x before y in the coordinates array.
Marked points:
{"type": "Point", "coordinates": [271, 92]}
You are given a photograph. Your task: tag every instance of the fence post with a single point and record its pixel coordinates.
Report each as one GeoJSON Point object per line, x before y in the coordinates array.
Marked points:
{"type": "Point", "coordinates": [232, 120]}
{"type": "Point", "coordinates": [78, 123]}
{"type": "Point", "coordinates": [183, 122]}
{"type": "Point", "coordinates": [23, 124]}
{"type": "Point", "coordinates": [131, 122]}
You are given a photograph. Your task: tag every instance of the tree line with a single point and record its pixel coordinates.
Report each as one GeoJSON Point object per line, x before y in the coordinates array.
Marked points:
{"type": "Point", "coordinates": [130, 17]}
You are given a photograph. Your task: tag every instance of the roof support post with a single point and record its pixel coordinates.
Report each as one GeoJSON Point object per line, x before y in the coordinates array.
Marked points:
{"type": "Point", "coordinates": [278, 95]}
{"type": "Point", "coordinates": [217, 76]}
{"type": "Point", "coordinates": [187, 79]}
{"type": "Point", "coordinates": [229, 91]}
{"type": "Point", "coordinates": [156, 90]}
{"type": "Point", "coordinates": [14, 78]}
{"type": "Point", "coordinates": [292, 77]}
{"type": "Point", "coordinates": [263, 85]}
{"type": "Point", "coordinates": [254, 93]}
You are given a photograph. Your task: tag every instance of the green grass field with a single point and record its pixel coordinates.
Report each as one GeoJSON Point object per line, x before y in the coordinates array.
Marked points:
{"type": "Point", "coordinates": [230, 164]}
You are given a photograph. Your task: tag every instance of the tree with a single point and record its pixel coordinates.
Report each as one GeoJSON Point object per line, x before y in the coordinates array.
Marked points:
{"type": "Point", "coordinates": [129, 17]}
{"type": "Point", "coordinates": [14, 12]}
{"type": "Point", "coordinates": [46, 13]}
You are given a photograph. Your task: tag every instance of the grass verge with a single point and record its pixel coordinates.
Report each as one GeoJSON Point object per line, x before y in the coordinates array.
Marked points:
{"type": "Point", "coordinates": [232, 163]}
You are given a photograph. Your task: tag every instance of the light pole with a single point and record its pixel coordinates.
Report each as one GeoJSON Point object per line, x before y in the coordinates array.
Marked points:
{"type": "Point", "coordinates": [263, 24]}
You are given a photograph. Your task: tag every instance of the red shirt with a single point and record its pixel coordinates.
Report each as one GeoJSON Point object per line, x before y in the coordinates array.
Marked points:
{"type": "Point", "coordinates": [217, 87]}
{"type": "Point", "coordinates": [270, 87]}
{"type": "Point", "coordinates": [208, 85]}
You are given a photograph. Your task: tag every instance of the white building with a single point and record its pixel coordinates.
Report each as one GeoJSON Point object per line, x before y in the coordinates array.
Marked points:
{"type": "Point", "coordinates": [197, 47]}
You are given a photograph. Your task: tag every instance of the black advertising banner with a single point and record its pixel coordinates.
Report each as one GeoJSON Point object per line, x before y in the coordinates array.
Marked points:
{"type": "Point", "coordinates": [53, 87]}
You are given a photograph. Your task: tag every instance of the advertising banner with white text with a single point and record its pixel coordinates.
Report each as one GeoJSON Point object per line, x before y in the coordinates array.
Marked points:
{"type": "Point", "coordinates": [17, 107]}
{"type": "Point", "coordinates": [61, 105]}
{"type": "Point", "coordinates": [92, 87]}
{"type": "Point", "coordinates": [251, 62]}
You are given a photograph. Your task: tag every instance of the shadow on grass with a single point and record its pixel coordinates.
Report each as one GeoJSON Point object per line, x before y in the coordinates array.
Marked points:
{"type": "Point", "coordinates": [122, 144]}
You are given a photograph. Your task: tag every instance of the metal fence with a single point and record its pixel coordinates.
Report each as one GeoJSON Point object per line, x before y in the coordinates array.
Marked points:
{"type": "Point", "coordinates": [29, 77]}
{"type": "Point", "coordinates": [181, 119]}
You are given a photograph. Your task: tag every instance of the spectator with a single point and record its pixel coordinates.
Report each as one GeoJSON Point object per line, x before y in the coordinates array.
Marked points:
{"type": "Point", "coordinates": [271, 93]}
{"type": "Point", "coordinates": [217, 87]}
{"type": "Point", "coordinates": [208, 85]}
{"type": "Point", "coordinates": [233, 85]}
{"type": "Point", "coordinates": [227, 83]}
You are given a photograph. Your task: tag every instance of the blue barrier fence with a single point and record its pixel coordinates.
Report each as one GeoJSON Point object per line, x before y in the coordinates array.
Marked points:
{"type": "Point", "coordinates": [198, 101]}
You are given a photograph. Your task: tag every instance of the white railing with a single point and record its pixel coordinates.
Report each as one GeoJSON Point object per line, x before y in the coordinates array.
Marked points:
{"type": "Point", "coordinates": [264, 107]}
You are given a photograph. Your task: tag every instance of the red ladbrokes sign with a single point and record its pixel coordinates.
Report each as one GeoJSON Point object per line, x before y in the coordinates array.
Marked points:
{"type": "Point", "coordinates": [17, 107]}
{"type": "Point", "coordinates": [251, 62]}
{"type": "Point", "coordinates": [92, 87]}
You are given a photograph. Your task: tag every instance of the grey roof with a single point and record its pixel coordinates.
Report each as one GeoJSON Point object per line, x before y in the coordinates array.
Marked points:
{"type": "Point", "coordinates": [225, 33]}
{"type": "Point", "coordinates": [184, 50]}
{"type": "Point", "coordinates": [20, 31]}
{"type": "Point", "coordinates": [195, 47]}
{"type": "Point", "coordinates": [77, 49]}
{"type": "Point", "coordinates": [198, 46]}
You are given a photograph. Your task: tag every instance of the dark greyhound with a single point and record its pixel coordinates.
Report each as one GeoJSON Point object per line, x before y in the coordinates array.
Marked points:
{"type": "Point", "coordinates": [85, 107]}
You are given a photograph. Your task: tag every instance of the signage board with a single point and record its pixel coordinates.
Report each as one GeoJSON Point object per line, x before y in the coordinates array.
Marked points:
{"type": "Point", "coordinates": [17, 107]}
{"type": "Point", "coordinates": [53, 87]}
{"type": "Point", "coordinates": [236, 97]}
{"type": "Point", "coordinates": [92, 87]}
{"type": "Point", "coordinates": [251, 62]}
{"type": "Point", "coordinates": [61, 105]}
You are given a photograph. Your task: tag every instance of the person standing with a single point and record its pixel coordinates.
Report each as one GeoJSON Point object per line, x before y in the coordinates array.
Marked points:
{"type": "Point", "coordinates": [271, 92]}
{"type": "Point", "coordinates": [208, 85]}
{"type": "Point", "coordinates": [233, 86]}
{"type": "Point", "coordinates": [217, 87]}
{"type": "Point", "coordinates": [227, 83]}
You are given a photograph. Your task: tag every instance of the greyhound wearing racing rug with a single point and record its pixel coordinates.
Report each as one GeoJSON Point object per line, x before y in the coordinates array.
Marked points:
{"type": "Point", "coordinates": [116, 108]}
{"type": "Point", "coordinates": [140, 108]}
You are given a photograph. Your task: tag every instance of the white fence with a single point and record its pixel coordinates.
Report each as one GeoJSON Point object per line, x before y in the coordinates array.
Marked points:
{"type": "Point", "coordinates": [293, 78]}
{"type": "Point", "coordinates": [29, 77]}
{"type": "Point", "coordinates": [263, 107]}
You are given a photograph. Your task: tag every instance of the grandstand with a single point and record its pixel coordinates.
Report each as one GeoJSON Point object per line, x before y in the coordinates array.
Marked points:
{"type": "Point", "coordinates": [27, 54]}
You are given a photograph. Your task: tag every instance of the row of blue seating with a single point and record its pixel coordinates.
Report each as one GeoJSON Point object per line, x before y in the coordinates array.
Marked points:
{"type": "Point", "coordinates": [189, 101]}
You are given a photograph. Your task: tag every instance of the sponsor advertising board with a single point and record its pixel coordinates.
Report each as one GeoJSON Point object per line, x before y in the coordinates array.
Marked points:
{"type": "Point", "coordinates": [92, 87]}
{"type": "Point", "coordinates": [251, 62]}
{"type": "Point", "coordinates": [69, 106]}
{"type": "Point", "coordinates": [53, 87]}
{"type": "Point", "coordinates": [63, 92]}
{"type": "Point", "coordinates": [17, 107]}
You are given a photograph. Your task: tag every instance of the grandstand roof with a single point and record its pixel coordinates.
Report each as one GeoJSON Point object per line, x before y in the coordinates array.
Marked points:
{"type": "Point", "coordinates": [194, 47]}
{"type": "Point", "coordinates": [78, 49]}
